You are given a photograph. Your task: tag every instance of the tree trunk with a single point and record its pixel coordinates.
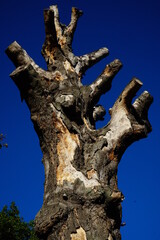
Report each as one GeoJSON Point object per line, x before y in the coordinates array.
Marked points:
{"type": "Point", "coordinates": [81, 197]}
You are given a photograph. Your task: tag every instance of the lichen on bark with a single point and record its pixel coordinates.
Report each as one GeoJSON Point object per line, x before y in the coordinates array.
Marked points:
{"type": "Point", "coordinates": [81, 195]}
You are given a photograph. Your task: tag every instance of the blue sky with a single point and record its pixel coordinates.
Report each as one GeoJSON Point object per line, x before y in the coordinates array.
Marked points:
{"type": "Point", "coordinates": [130, 29]}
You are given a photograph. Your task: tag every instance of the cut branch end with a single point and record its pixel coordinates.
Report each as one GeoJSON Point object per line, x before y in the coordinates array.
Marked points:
{"type": "Point", "coordinates": [17, 54]}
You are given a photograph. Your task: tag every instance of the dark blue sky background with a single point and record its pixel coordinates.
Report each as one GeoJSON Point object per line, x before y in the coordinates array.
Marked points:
{"type": "Point", "coordinates": [130, 29]}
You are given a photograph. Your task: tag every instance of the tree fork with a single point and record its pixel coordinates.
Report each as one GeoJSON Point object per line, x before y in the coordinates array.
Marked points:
{"type": "Point", "coordinates": [81, 196]}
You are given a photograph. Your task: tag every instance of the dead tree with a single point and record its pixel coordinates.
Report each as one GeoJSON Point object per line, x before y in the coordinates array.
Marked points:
{"type": "Point", "coordinates": [81, 197]}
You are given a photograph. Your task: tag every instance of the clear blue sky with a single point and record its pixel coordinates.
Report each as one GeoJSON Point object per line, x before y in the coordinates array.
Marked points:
{"type": "Point", "coordinates": [130, 29]}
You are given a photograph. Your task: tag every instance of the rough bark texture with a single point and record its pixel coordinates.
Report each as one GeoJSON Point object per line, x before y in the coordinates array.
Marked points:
{"type": "Point", "coordinates": [81, 197]}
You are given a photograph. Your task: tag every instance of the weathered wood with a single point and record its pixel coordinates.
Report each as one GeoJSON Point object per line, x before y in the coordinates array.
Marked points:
{"type": "Point", "coordinates": [81, 197]}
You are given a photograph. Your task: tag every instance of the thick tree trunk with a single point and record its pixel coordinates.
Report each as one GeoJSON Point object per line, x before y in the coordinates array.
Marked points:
{"type": "Point", "coordinates": [81, 197]}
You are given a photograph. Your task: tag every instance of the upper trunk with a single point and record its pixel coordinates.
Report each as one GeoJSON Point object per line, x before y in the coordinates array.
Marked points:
{"type": "Point", "coordinates": [81, 197]}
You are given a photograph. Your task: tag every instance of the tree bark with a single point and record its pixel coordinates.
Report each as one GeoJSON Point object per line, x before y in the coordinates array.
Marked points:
{"type": "Point", "coordinates": [81, 197]}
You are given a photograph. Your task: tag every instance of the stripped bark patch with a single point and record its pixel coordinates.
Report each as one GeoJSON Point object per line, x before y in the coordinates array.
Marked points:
{"type": "Point", "coordinates": [66, 148]}
{"type": "Point", "coordinates": [79, 235]}
{"type": "Point", "coordinates": [110, 237]}
{"type": "Point", "coordinates": [68, 66]}
{"type": "Point", "coordinates": [92, 174]}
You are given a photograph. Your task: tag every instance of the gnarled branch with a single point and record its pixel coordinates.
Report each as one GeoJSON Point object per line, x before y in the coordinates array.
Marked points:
{"type": "Point", "coordinates": [103, 82]}
{"type": "Point", "coordinates": [142, 104]}
{"type": "Point", "coordinates": [125, 126]}
{"type": "Point", "coordinates": [18, 55]}
{"type": "Point", "coordinates": [88, 60]}
{"type": "Point", "coordinates": [70, 29]}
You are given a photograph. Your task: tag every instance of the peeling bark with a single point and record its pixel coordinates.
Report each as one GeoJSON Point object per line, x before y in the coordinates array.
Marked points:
{"type": "Point", "coordinates": [81, 196]}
